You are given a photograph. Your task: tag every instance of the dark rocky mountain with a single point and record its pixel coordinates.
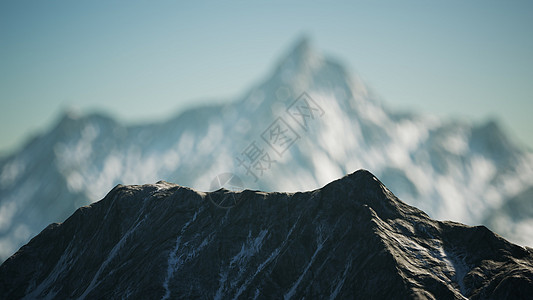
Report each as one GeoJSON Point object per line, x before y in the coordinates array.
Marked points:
{"type": "Point", "coordinates": [452, 169]}
{"type": "Point", "coordinates": [350, 239]}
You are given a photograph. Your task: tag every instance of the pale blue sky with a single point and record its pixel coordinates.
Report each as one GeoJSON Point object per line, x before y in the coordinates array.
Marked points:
{"type": "Point", "coordinates": [145, 60]}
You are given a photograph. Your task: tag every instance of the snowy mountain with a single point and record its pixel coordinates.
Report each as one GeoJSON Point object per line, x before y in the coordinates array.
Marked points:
{"type": "Point", "coordinates": [308, 123]}
{"type": "Point", "coordinates": [350, 239]}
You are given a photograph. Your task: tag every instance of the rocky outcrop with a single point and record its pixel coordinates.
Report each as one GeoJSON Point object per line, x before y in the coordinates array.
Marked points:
{"type": "Point", "coordinates": [350, 239]}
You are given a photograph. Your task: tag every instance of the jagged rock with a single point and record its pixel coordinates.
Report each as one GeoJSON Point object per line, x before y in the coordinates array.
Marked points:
{"type": "Point", "coordinates": [350, 239]}
{"type": "Point", "coordinates": [452, 169]}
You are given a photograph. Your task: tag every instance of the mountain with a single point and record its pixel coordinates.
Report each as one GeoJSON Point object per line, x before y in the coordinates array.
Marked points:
{"type": "Point", "coordinates": [350, 239]}
{"type": "Point", "coordinates": [309, 121]}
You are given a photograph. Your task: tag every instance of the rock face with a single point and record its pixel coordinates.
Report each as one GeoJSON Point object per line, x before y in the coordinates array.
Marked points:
{"type": "Point", "coordinates": [451, 169]}
{"type": "Point", "coordinates": [350, 239]}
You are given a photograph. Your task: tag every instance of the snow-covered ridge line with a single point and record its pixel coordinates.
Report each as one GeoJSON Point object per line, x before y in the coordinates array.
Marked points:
{"type": "Point", "coordinates": [451, 169]}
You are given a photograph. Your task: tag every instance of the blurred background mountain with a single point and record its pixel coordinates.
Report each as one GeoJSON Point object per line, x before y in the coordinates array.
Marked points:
{"type": "Point", "coordinates": [109, 93]}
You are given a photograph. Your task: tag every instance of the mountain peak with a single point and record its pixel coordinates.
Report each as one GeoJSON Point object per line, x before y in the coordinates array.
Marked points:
{"type": "Point", "coordinates": [368, 191]}
{"type": "Point", "coordinates": [491, 136]}
{"type": "Point", "coordinates": [270, 245]}
{"type": "Point", "coordinates": [302, 45]}
{"type": "Point", "coordinates": [300, 54]}
{"type": "Point", "coordinates": [363, 173]}
{"type": "Point", "coordinates": [359, 178]}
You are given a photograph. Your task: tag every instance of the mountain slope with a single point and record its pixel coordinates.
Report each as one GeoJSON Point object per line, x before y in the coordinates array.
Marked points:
{"type": "Point", "coordinates": [451, 169]}
{"type": "Point", "coordinates": [351, 238]}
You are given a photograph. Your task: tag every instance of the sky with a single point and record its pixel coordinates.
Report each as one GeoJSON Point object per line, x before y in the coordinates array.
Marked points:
{"type": "Point", "coordinates": [143, 61]}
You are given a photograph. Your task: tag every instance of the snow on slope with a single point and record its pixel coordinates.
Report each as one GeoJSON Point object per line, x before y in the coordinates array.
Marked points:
{"type": "Point", "coordinates": [451, 169]}
{"type": "Point", "coordinates": [349, 239]}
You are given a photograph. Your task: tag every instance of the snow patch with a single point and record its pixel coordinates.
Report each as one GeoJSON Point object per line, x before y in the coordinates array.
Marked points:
{"type": "Point", "coordinates": [112, 254]}
{"type": "Point", "coordinates": [292, 290]}
{"type": "Point", "coordinates": [265, 263]}
{"type": "Point", "coordinates": [175, 261]}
